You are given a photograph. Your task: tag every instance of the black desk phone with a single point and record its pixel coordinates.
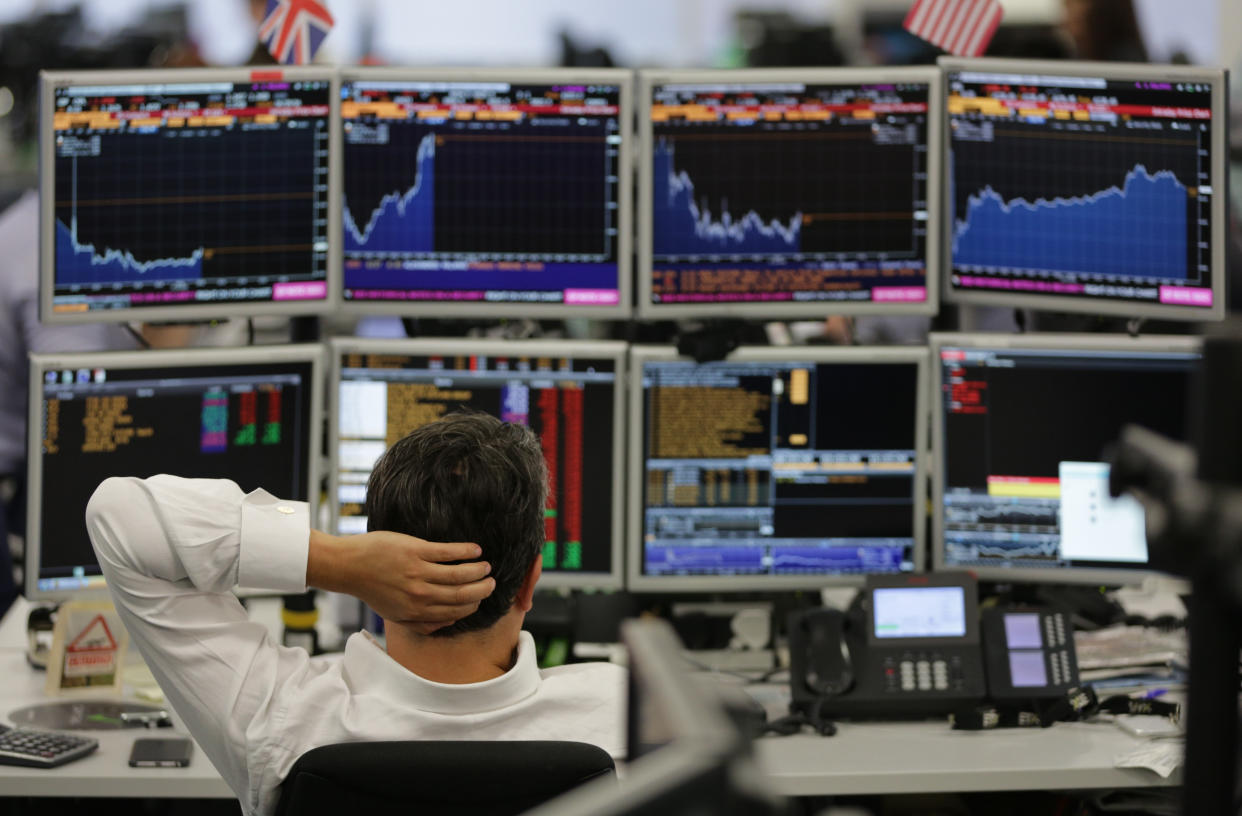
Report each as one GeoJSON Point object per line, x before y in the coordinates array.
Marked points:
{"type": "Point", "coordinates": [916, 645]}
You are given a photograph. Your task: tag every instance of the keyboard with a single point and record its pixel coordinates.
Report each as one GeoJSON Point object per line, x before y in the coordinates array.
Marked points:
{"type": "Point", "coordinates": [42, 749]}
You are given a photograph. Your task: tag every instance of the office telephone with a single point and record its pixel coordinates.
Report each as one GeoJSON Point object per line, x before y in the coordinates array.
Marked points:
{"type": "Point", "coordinates": [916, 645]}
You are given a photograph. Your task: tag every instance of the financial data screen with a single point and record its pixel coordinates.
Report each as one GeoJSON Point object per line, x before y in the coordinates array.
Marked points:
{"type": "Point", "coordinates": [778, 468]}
{"type": "Point", "coordinates": [567, 402]}
{"type": "Point", "coordinates": [771, 192]}
{"type": "Point", "coordinates": [1081, 188]}
{"type": "Point", "coordinates": [483, 192]}
{"type": "Point", "coordinates": [246, 422]}
{"type": "Point", "coordinates": [1025, 484]}
{"type": "Point", "coordinates": [190, 193]}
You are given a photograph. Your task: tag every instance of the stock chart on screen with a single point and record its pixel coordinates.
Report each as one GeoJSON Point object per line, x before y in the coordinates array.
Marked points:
{"type": "Point", "coordinates": [774, 469]}
{"type": "Point", "coordinates": [1088, 190]}
{"type": "Point", "coordinates": [1022, 464]}
{"type": "Point", "coordinates": [568, 401]}
{"type": "Point", "coordinates": [767, 192]}
{"type": "Point", "coordinates": [175, 194]}
{"type": "Point", "coordinates": [482, 192]}
{"type": "Point", "coordinates": [245, 420]}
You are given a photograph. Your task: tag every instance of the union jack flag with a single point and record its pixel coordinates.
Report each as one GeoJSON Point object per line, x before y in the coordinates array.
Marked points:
{"type": "Point", "coordinates": [293, 30]}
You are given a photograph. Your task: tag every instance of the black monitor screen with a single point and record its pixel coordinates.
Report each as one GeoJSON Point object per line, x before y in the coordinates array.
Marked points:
{"type": "Point", "coordinates": [778, 468]}
{"type": "Point", "coordinates": [568, 402]}
{"type": "Point", "coordinates": [1081, 188]}
{"type": "Point", "coordinates": [481, 192]}
{"type": "Point", "coordinates": [190, 193]}
{"type": "Point", "coordinates": [241, 421]}
{"type": "Point", "coordinates": [766, 192]}
{"type": "Point", "coordinates": [1025, 430]}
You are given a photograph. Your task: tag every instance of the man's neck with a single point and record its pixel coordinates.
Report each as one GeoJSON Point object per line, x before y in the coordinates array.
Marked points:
{"type": "Point", "coordinates": [472, 657]}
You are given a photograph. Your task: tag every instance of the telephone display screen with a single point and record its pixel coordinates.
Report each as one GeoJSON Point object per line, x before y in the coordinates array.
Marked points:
{"type": "Point", "coordinates": [1022, 631]}
{"type": "Point", "coordinates": [919, 612]}
{"type": "Point", "coordinates": [1027, 670]}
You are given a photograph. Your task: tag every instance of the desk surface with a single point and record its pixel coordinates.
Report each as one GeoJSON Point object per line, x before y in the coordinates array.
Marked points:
{"type": "Point", "coordinates": [870, 758]}
{"type": "Point", "coordinates": [929, 757]}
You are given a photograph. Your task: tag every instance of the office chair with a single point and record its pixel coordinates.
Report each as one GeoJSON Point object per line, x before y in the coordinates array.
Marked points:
{"type": "Point", "coordinates": [432, 777]}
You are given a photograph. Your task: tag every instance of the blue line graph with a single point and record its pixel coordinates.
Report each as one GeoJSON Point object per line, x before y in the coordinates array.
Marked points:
{"type": "Point", "coordinates": [831, 560]}
{"type": "Point", "coordinates": [1136, 231]}
{"type": "Point", "coordinates": [720, 560]}
{"type": "Point", "coordinates": [403, 222]}
{"type": "Point", "coordinates": [680, 227]}
{"type": "Point", "coordinates": [81, 264]}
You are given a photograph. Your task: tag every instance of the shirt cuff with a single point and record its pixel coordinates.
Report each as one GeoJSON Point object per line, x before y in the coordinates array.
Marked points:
{"type": "Point", "coordinates": [275, 543]}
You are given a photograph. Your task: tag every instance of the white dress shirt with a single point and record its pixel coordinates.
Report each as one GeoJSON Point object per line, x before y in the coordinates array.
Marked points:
{"type": "Point", "coordinates": [172, 548]}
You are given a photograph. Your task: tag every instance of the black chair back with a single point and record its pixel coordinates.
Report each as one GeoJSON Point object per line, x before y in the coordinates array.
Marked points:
{"type": "Point", "coordinates": [431, 777]}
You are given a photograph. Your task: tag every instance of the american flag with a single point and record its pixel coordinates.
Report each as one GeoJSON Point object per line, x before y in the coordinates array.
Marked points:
{"type": "Point", "coordinates": [961, 27]}
{"type": "Point", "coordinates": [293, 30]}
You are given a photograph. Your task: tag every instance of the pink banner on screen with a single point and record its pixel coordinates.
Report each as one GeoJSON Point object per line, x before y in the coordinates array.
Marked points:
{"type": "Point", "coordinates": [305, 290]}
{"type": "Point", "coordinates": [592, 297]}
{"type": "Point", "coordinates": [1021, 285]}
{"type": "Point", "coordinates": [1185, 296]}
{"type": "Point", "coordinates": [160, 297]}
{"type": "Point", "coordinates": [899, 294]}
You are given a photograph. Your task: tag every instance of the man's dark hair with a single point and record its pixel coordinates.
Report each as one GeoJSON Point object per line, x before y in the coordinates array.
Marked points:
{"type": "Point", "coordinates": [467, 477]}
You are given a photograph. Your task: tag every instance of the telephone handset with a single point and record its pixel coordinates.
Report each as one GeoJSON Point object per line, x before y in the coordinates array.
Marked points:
{"type": "Point", "coordinates": [917, 646]}
{"type": "Point", "coordinates": [908, 646]}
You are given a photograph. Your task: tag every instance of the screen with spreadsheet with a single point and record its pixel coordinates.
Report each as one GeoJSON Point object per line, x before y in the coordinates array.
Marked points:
{"type": "Point", "coordinates": [568, 401]}
{"type": "Point", "coordinates": [473, 193]}
{"type": "Point", "coordinates": [1021, 463]}
{"type": "Point", "coordinates": [770, 194]}
{"type": "Point", "coordinates": [1090, 187]}
{"type": "Point", "coordinates": [763, 469]}
{"type": "Point", "coordinates": [250, 422]}
{"type": "Point", "coordinates": [187, 195]}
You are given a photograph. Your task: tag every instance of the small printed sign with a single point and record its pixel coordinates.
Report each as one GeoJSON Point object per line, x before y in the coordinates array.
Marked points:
{"type": "Point", "coordinates": [87, 647]}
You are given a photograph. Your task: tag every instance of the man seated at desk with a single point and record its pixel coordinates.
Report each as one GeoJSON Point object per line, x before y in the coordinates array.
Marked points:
{"type": "Point", "coordinates": [172, 548]}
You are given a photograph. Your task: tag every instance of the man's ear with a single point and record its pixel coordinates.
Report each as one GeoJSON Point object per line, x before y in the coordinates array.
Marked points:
{"type": "Point", "coordinates": [526, 593]}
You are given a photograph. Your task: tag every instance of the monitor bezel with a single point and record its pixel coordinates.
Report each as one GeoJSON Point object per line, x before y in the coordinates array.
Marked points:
{"type": "Point", "coordinates": [623, 78]}
{"type": "Point", "coordinates": [810, 76]}
{"type": "Point", "coordinates": [891, 355]}
{"type": "Point", "coordinates": [50, 80]}
{"type": "Point", "coordinates": [613, 351]}
{"type": "Point", "coordinates": [1112, 576]}
{"type": "Point", "coordinates": [169, 359]}
{"type": "Point", "coordinates": [1216, 77]}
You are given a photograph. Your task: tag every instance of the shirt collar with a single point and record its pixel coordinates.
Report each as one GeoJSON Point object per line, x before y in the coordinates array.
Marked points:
{"type": "Point", "coordinates": [368, 666]}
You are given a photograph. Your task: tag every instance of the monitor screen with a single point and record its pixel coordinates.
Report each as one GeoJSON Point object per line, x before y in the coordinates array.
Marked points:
{"type": "Point", "coordinates": [566, 393]}
{"type": "Point", "coordinates": [788, 193]}
{"type": "Point", "coordinates": [1022, 485]}
{"type": "Point", "coordinates": [776, 472]}
{"type": "Point", "coordinates": [241, 415]}
{"type": "Point", "coordinates": [1086, 188]}
{"type": "Point", "coordinates": [207, 196]}
{"type": "Point", "coordinates": [477, 193]}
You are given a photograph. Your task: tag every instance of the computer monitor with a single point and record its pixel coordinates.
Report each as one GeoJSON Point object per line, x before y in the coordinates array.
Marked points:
{"type": "Point", "coordinates": [251, 415]}
{"type": "Point", "coordinates": [480, 193]}
{"type": "Point", "coordinates": [187, 194]}
{"type": "Point", "coordinates": [569, 393]}
{"type": "Point", "coordinates": [777, 468]}
{"type": "Point", "coordinates": [787, 193]}
{"type": "Point", "coordinates": [1020, 426]}
{"type": "Point", "coordinates": [1086, 187]}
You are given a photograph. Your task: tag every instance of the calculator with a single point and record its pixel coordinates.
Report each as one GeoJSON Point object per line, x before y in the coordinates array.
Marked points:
{"type": "Point", "coordinates": [42, 749]}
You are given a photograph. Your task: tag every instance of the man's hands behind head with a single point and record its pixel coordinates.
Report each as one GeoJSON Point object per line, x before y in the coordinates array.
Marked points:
{"type": "Point", "coordinates": [403, 578]}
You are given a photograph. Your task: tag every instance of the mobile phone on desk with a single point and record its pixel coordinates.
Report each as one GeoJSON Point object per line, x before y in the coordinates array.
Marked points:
{"type": "Point", "coordinates": [163, 752]}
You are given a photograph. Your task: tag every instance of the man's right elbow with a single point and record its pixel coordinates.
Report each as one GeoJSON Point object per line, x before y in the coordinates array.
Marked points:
{"type": "Point", "coordinates": [113, 493]}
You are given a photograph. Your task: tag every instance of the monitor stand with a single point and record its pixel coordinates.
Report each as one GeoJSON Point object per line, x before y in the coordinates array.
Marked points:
{"type": "Point", "coordinates": [88, 715]}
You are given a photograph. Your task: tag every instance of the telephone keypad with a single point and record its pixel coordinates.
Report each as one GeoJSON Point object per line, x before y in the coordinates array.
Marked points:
{"type": "Point", "coordinates": [923, 671]}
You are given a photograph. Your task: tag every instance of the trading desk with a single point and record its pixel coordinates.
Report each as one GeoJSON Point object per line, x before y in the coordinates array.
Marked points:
{"type": "Point", "coordinates": [870, 758]}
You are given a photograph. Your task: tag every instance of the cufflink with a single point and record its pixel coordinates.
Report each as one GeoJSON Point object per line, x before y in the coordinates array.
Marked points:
{"type": "Point", "coordinates": [286, 509]}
